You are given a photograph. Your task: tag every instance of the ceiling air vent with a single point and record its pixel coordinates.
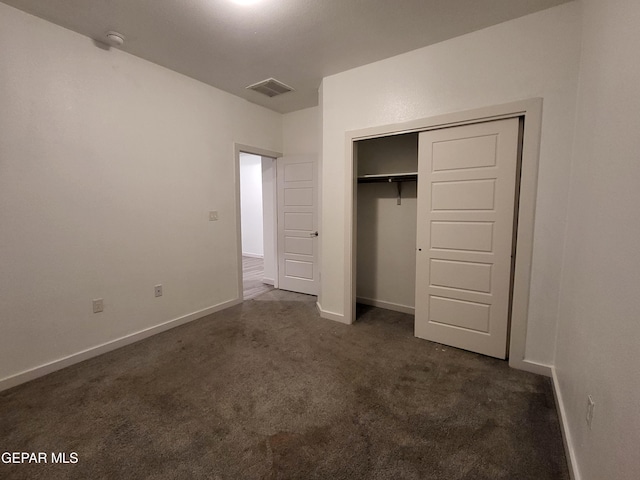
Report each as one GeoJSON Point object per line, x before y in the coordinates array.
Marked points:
{"type": "Point", "coordinates": [270, 87]}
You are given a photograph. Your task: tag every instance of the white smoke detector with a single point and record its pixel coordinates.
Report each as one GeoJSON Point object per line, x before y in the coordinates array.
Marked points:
{"type": "Point", "coordinates": [114, 39]}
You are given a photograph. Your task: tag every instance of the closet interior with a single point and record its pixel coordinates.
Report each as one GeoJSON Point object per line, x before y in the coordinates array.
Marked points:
{"type": "Point", "coordinates": [386, 221]}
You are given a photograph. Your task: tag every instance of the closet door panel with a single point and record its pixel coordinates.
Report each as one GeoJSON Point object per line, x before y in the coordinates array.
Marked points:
{"type": "Point", "coordinates": [470, 276]}
{"type": "Point", "coordinates": [466, 196]}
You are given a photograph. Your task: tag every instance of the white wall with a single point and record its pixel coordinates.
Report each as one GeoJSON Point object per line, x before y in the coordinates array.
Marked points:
{"type": "Point", "coordinates": [598, 342]}
{"type": "Point", "coordinates": [108, 167]}
{"type": "Point", "coordinates": [301, 132]}
{"type": "Point", "coordinates": [534, 56]}
{"type": "Point", "coordinates": [386, 233]}
{"type": "Point", "coordinates": [251, 205]}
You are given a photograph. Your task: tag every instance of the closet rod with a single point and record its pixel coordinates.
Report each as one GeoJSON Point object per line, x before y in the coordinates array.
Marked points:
{"type": "Point", "coordinates": [396, 178]}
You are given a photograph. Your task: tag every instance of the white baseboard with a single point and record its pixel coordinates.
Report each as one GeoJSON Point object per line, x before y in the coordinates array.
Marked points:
{"type": "Point", "coordinates": [61, 363]}
{"type": "Point", "coordinates": [268, 281]}
{"type": "Point", "coordinates": [337, 317]}
{"type": "Point", "coordinates": [396, 307]}
{"type": "Point", "coordinates": [252, 255]}
{"type": "Point", "coordinates": [530, 366]}
{"type": "Point", "coordinates": [574, 472]}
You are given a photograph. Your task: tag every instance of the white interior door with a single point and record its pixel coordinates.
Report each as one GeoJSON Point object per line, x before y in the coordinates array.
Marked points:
{"type": "Point", "coordinates": [297, 224]}
{"type": "Point", "coordinates": [466, 197]}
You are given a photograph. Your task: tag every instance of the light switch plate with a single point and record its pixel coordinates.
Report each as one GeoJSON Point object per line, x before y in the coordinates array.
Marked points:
{"type": "Point", "coordinates": [213, 216]}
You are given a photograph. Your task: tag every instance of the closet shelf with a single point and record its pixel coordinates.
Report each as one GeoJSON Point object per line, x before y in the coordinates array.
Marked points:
{"type": "Point", "coordinates": [389, 177]}
{"type": "Point", "coordinates": [396, 178]}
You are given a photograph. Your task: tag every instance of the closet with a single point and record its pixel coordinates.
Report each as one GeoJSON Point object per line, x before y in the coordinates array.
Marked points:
{"type": "Point", "coordinates": [436, 217]}
{"type": "Point", "coordinates": [386, 221]}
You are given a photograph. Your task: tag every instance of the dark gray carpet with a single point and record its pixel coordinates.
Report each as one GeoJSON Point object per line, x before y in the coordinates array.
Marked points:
{"type": "Point", "coordinates": [268, 390]}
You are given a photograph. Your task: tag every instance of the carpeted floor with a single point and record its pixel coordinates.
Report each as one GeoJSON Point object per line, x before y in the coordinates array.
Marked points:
{"type": "Point", "coordinates": [268, 390]}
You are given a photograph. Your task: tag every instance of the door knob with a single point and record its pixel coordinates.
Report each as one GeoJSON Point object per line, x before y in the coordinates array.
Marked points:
{"type": "Point", "coordinates": [313, 234]}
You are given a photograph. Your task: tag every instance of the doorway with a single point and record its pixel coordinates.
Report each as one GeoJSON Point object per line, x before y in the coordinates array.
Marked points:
{"type": "Point", "coordinates": [257, 223]}
{"type": "Point", "coordinates": [256, 220]}
{"type": "Point", "coordinates": [386, 222]}
{"type": "Point", "coordinates": [289, 223]}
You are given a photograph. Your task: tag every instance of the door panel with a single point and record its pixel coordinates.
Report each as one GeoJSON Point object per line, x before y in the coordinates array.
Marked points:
{"type": "Point", "coordinates": [466, 195]}
{"type": "Point", "coordinates": [298, 221]}
{"type": "Point", "coordinates": [459, 313]}
{"type": "Point", "coordinates": [299, 245]}
{"type": "Point", "coordinates": [471, 276]}
{"type": "Point", "coordinates": [469, 236]}
{"type": "Point", "coordinates": [473, 152]}
{"type": "Point", "coordinates": [299, 270]}
{"type": "Point", "coordinates": [297, 224]}
{"type": "Point", "coordinates": [298, 197]}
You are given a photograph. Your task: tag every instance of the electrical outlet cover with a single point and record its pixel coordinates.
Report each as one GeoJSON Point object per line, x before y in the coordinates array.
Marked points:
{"type": "Point", "coordinates": [98, 305]}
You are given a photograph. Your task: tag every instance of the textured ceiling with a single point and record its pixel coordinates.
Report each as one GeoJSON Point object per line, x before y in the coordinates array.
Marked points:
{"type": "Point", "coordinates": [298, 42]}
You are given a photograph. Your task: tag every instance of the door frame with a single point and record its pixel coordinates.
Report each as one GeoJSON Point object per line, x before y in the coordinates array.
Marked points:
{"type": "Point", "coordinates": [531, 111]}
{"type": "Point", "coordinates": [237, 149]}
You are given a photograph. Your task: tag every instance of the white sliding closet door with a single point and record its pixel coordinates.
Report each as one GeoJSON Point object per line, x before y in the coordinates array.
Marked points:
{"type": "Point", "coordinates": [466, 197]}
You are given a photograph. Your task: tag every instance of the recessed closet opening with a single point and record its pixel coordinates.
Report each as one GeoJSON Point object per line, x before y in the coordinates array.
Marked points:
{"type": "Point", "coordinates": [474, 225]}
{"type": "Point", "coordinates": [386, 222]}
{"type": "Point", "coordinates": [435, 228]}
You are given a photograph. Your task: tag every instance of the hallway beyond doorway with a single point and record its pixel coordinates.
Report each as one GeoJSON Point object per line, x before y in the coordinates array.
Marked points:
{"type": "Point", "coordinates": [252, 275]}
